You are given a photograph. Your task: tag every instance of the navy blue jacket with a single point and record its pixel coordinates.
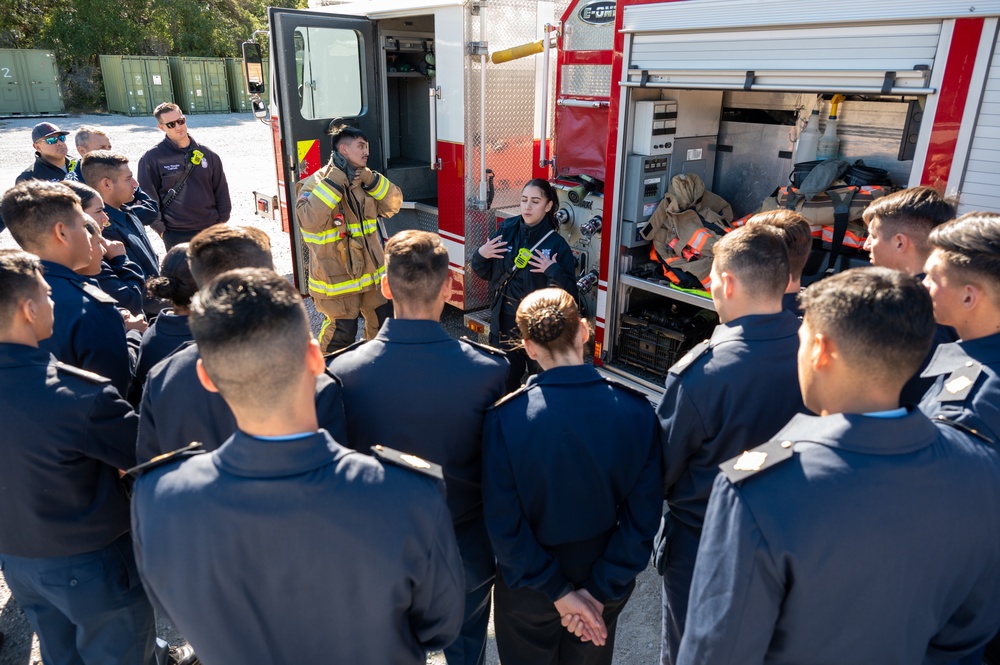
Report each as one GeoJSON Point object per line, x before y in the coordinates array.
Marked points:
{"type": "Point", "coordinates": [921, 382]}
{"type": "Point", "coordinates": [519, 235]}
{"type": "Point", "coordinates": [415, 389]}
{"type": "Point", "coordinates": [126, 228]}
{"type": "Point", "coordinates": [204, 198]}
{"type": "Point", "coordinates": [123, 280]}
{"type": "Point", "coordinates": [66, 434]}
{"type": "Point", "coordinates": [967, 387]}
{"type": "Point", "coordinates": [790, 303]}
{"type": "Point", "coordinates": [88, 332]}
{"type": "Point", "coordinates": [857, 540]}
{"type": "Point", "coordinates": [571, 484]}
{"type": "Point", "coordinates": [729, 394]}
{"type": "Point", "coordinates": [299, 551]}
{"type": "Point", "coordinates": [176, 410]}
{"type": "Point", "coordinates": [167, 333]}
{"type": "Point", "coordinates": [43, 170]}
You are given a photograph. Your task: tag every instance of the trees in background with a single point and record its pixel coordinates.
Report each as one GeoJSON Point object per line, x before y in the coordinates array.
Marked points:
{"type": "Point", "coordinates": [81, 30]}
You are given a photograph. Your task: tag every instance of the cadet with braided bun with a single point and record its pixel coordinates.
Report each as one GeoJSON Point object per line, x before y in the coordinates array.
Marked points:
{"type": "Point", "coordinates": [572, 494]}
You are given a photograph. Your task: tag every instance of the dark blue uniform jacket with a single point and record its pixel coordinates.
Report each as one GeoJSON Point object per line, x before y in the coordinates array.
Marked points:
{"type": "Point", "coordinates": [967, 389]}
{"type": "Point", "coordinates": [176, 410]}
{"type": "Point", "coordinates": [43, 170]}
{"type": "Point", "coordinates": [166, 334]}
{"type": "Point", "coordinates": [204, 198]}
{"type": "Point", "coordinates": [299, 551]}
{"type": "Point", "coordinates": [861, 540]}
{"type": "Point", "coordinates": [89, 332]}
{"type": "Point", "coordinates": [571, 484]}
{"type": "Point", "coordinates": [126, 228]}
{"type": "Point", "coordinates": [519, 235]}
{"type": "Point", "coordinates": [122, 279]}
{"type": "Point", "coordinates": [66, 434]}
{"type": "Point", "coordinates": [732, 393]}
{"type": "Point", "coordinates": [415, 389]}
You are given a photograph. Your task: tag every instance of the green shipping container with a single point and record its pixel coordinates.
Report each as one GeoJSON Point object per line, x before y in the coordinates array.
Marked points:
{"type": "Point", "coordinates": [239, 100]}
{"type": "Point", "coordinates": [200, 84]}
{"type": "Point", "coordinates": [29, 83]}
{"type": "Point", "coordinates": [136, 84]}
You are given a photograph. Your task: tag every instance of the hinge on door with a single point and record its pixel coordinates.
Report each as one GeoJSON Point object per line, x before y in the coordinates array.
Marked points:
{"type": "Point", "coordinates": [476, 6]}
{"type": "Point", "coordinates": [477, 49]}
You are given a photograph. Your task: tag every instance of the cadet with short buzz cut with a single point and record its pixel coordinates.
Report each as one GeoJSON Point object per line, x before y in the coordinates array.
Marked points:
{"type": "Point", "coordinates": [816, 547]}
{"type": "Point", "coordinates": [282, 545]}
{"type": "Point", "coordinates": [65, 549]}
{"type": "Point", "coordinates": [172, 385]}
{"type": "Point", "coordinates": [439, 389]}
{"type": "Point", "coordinates": [795, 231]}
{"type": "Point", "coordinates": [705, 420]}
{"type": "Point", "coordinates": [46, 219]}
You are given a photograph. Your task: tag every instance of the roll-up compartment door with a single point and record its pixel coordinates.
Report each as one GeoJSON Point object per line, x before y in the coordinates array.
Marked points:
{"type": "Point", "coordinates": [979, 189]}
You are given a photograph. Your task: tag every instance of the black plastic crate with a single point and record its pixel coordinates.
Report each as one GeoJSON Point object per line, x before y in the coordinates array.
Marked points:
{"type": "Point", "coordinates": [644, 343]}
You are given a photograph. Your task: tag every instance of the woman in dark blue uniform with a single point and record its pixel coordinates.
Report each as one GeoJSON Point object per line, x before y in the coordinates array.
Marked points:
{"type": "Point", "coordinates": [525, 254]}
{"type": "Point", "coordinates": [572, 495]}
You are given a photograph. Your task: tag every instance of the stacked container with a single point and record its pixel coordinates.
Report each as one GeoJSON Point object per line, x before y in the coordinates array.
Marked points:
{"type": "Point", "coordinates": [200, 84]}
{"type": "Point", "coordinates": [135, 85]}
{"type": "Point", "coordinates": [29, 83]}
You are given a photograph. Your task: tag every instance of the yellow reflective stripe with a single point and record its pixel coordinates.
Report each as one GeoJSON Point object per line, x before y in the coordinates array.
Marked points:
{"type": "Point", "coordinates": [322, 330]}
{"type": "Point", "coordinates": [327, 194]}
{"type": "Point", "coordinates": [378, 193]}
{"type": "Point", "coordinates": [321, 238]}
{"type": "Point", "coordinates": [370, 225]}
{"type": "Point", "coordinates": [349, 286]}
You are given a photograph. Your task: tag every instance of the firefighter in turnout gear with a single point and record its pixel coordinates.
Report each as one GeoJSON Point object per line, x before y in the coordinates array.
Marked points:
{"type": "Point", "coordinates": [337, 209]}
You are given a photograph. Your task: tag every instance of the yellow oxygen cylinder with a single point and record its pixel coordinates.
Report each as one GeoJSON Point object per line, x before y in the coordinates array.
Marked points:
{"type": "Point", "coordinates": [515, 52]}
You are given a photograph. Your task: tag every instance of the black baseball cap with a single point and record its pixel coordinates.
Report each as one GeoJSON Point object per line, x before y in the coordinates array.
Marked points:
{"type": "Point", "coordinates": [46, 129]}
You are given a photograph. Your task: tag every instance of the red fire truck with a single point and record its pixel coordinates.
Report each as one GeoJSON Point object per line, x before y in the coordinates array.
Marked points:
{"type": "Point", "coordinates": [611, 99]}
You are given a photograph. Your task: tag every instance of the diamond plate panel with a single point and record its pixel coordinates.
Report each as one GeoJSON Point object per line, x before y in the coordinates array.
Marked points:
{"type": "Point", "coordinates": [427, 221]}
{"type": "Point", "coordinates": [581, 36]}
{"type": "Point", "coordinates": [586, 80]}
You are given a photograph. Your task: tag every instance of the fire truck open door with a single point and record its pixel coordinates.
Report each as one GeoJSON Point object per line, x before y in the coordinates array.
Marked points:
{"type": "Point", "coordinates": [325, 68]}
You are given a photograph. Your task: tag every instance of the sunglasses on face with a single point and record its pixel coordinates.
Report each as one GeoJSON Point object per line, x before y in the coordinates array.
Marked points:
{"type": "Point", "coordinates": [174, 123]}
{"type": "Point", "coordinates": [52, 140]}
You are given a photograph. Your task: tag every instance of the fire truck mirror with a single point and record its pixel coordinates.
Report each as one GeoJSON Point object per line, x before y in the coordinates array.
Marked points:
{"type": "Point", "coordinates": [253, 68]}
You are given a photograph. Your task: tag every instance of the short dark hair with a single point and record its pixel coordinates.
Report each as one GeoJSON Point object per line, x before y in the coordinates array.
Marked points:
{"type": "Point", "coordinates": [757, 256]}
{"type": "Point", "coordinates": [175, 282]}
{"type": "Point", "coordinates": [19, 272]}
{"type": "Point", "coordinates": [85, 192]}
{"type": "Point", "coordinates": [165, 107]}
{"type": "Point", "coordinates": [101, 164]}
{"type": "Point", "coordinates": [795, 231]}
{"type": "Point", "coordinates": [912, 212]}
{"type": "Point", "coordinates": [84, 133]}
{"type": "Point", "coordinates": [881, 320]}
{"type": "Point", "coordinates": [341, 133]}
{"type": "Point", "coordinates": [416, 265]}
{"type": "Point", "coordinates": [32, 208]}
{"type": "Point", "coordinates": [225, 247]}
{"type": "Point", "coordinates": [971, 245]}
{"type": "Point", "coordinates": [247, 323]}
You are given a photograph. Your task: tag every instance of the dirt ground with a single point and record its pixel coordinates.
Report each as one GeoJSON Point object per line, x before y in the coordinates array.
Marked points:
{"type": "Point", "coordinates": [244, 144]}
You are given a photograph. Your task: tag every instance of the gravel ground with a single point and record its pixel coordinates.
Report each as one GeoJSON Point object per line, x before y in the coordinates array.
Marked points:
{"type": "Point", "coordinates": [244, 144]}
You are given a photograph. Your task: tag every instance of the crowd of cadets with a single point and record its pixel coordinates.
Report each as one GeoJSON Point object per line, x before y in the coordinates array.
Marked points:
{"type": "Point", "coordinates": [363, 506]}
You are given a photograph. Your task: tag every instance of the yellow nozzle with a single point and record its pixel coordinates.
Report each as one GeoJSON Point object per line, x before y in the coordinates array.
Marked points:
{"type": "Point", "coordinates": [834, 103]}
{"type": "Point", "coordinates": [522, 51]}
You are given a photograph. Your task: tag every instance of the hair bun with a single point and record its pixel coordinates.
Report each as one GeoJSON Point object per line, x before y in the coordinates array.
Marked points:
{"type": "Point", "coordinates": [546, 324]}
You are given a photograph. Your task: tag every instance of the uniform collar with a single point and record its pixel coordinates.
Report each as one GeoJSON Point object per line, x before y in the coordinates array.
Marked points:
{"type": "Point", "coordinates": [168, 323]}
{"type": "Point", "coordinates": [244, 455]}
{"type": "Point", "coordinates": [119, 215]}
{"type": "Point", "coordinates": [757, 327]}
{"type": "Point", "coordinates": [21, 355]}
{"type": "Point", "coordinates": [533, 233]}
{"type": "Point", "coordinates": [862, 434]}
{"type": "Point", "coordinates": [412, 331]}
{"type": "Point", "coordinates": [567, 375]}
{"type": "Point", "coordinates": [949, 357]}
{"type": "Point", "coordinates": [192, 146]}
{"type": "Point", "coordinates": [58, 270]}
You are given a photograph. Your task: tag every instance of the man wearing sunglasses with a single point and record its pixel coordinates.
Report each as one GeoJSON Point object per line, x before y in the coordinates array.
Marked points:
{"type": "Point", "coordinates": [185, 178]}
{"type": "Point", "coordinates": [51, 162]}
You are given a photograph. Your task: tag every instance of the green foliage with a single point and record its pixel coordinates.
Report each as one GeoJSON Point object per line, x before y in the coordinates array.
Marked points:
{"type": "Point", "coordinates": [80, 31]}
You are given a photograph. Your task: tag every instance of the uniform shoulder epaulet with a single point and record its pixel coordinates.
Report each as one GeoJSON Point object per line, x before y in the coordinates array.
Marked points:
{"type": "Point", "coordinates": [94, 292]}
{"type": "Point", "coordinates": [962, 427]}
{"type": "Point", "coordinates": [959, 383]}
{"type": "Point", "coordinates": [407, 461]}
{"type": "Point", "coordinates": [627, 388]}
{"type": "Point", "coordinates": [333, 354]}
{"type": "Point", "coordinates": [92, 377]}
{"type": "Point", "coordinates": [509, 396]}
{"type": "Point", "coordinates": [678, 367]}
{"type": "Point", "coordinates": [166, 458]}
{"type": "Point", "coordinates": [486, 348]}
{"type": "Point", "coordinates": [754, 461]}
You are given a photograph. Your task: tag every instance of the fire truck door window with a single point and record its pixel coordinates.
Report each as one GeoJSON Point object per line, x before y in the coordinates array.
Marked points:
{"type": "Point", "coordinates": [328, 72]}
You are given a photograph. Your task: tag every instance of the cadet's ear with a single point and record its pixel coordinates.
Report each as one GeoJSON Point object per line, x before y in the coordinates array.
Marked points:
{"type": "Point", "coordinates": [314, 358]}
{"type": "Point", "coordinates": [531, 349]}
{"type": "Point", "coordinates": [203, 376]}
{"type": "Point", "coordinates": [824, 351]}
{"type": "Point", "coordinates": [386, 291]}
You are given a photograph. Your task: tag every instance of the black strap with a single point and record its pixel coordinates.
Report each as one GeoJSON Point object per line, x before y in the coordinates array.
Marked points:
{"type": "Point", "coordinates": [178, 186]}
{"type": "Point", "coordinates": [841, 199]}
